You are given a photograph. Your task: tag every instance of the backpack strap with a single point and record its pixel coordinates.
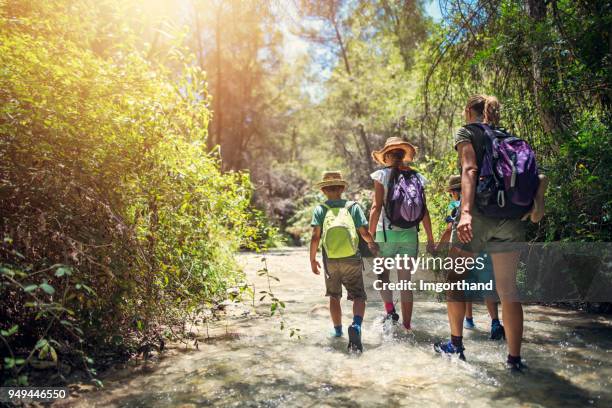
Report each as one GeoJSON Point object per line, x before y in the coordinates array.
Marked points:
{"type": "Point", "coordinates": [489, 147]}
{"type": "Point", "coordinates": [388, 187]}
{"type": "Point", "coordinates": [325, 208]}
{"type": "Point", "coordinates": [384, 229]}
{"type": "Point", "coordinates": [348, 206]}
{"type": "Point", "coordinates": [323, 252]}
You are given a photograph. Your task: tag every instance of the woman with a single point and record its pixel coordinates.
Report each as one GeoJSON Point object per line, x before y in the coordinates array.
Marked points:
{"type": "Point", "coordinates": [392, 239]}
{"type": "Point", "coordinates": [454, 189]}
{"type": "Point", "coordinates": [475, 232]}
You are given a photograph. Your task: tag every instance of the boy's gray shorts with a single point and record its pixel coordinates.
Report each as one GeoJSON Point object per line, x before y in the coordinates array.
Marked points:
{"type": "Point", "coordinates": [347, 273]}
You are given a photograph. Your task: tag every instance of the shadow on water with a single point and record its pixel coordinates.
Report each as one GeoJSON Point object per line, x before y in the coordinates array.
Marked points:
{"type": "Point", "coordinates": [595, 333]}
{"type": "Point", "coordinates": [544, 388]}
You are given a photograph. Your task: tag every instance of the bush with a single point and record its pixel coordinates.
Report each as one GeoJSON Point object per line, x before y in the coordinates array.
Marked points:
{"type": "Point", "coordinates": [579, 199]}
{"type": "Point", "coordinates": [116, 222]}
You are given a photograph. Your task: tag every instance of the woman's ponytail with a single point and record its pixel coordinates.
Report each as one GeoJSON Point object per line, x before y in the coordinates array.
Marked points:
{"type": "Point", "coordinates": [491, 110]}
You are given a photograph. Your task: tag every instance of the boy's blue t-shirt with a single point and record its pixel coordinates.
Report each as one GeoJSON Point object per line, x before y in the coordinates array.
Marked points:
{"type": "Point", "coordinates": [318, 215]}
{"type": "Point", "coordinates": [453, 207]}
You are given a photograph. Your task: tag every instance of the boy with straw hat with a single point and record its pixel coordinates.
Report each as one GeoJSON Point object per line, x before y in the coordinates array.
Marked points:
{"type": "Point", "coordinates": [336, 224]}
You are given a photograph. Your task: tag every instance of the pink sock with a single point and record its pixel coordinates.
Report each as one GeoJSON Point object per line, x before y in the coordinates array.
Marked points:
{"type": "Point", "coordinates": [407, 325]}
{"type": "Point", "coordinates": [389, 307]}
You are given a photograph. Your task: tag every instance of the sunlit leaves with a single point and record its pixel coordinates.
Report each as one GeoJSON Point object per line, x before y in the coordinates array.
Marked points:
{"type": "Point", "coordinates": [30, 288]}
{"type": "Point", "coordinates": [117, 205]}
{"type": "Point", "coordinates": [9, 332]}
{"type": "Point", "coordinates": [47, 288]}
{"type": "Point", "coordinates": [63, 270]}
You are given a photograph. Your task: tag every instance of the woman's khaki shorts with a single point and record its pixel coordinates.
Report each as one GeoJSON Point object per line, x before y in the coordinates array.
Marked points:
{"type": "Point", "coordinates": [347, 272]}
{"type": "Point", "coordinates": [491, 235]}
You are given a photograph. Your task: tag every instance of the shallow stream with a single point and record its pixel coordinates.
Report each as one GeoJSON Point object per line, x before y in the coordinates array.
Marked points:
{"type": "Point", "coordinates": [248, 361]}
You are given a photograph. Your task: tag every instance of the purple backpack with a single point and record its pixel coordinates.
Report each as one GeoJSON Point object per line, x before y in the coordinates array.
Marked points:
{"type": "Point", "coordinates": [508, 177]}
{"type": "Point", "coordinates": [405, 204]}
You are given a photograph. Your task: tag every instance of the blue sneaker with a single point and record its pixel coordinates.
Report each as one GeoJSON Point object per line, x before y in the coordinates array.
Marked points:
{"type": "Point", "coordinates": [354, 333]}
{"type": "Point", "coordinates": [334, 333]}
{"type": "Point", "coordinates": [447, 347]}
{"type": "Point", "coordinates": [469, 323]}
{"type": "Point", "coordinates": [497, 331]}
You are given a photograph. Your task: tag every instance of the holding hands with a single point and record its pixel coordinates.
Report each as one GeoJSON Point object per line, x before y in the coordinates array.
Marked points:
{"type": "Point", "coordinates": [374, 248]}
{"type": "Point", "coordinates": [464, 228]}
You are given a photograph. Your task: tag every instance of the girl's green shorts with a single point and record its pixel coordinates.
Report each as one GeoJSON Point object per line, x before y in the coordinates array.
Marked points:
{"type": "Point", "coordinates": [404, 242]}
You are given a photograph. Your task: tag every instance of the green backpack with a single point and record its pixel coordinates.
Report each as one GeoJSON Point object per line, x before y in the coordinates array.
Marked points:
{"type": "Point", "coordinates": [339, 238]}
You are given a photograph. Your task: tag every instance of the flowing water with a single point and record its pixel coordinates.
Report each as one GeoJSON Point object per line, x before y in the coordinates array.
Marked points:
{"type": "Point", "coordinates": [248, 361]}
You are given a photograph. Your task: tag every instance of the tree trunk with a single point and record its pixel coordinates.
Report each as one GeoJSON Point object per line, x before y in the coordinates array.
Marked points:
{"type": "Point", "coordinates": [540, 66]}
{"type": "Point", "coordinates": [342, 46]}
{"type": "Point", "coordinates": [366, 146]}
{"type": "Point", "coordinates": [198, 33]}
{"type": "Point", "coordinates": [218, 113]}
{"type": "Point", "coordinates": [294, 151]}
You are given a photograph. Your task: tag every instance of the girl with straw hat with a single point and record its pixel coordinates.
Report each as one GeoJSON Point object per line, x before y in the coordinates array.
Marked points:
{"type": "Point", "coordinates": [394, 240]}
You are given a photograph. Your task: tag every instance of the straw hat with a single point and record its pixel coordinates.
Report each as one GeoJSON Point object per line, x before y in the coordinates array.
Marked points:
{"type": "Point", "coordinates": [331, 178]}
{"type": "Point", "coordinates": [394, 143]}
{"type": "Point", "coordinates": [454, 182]}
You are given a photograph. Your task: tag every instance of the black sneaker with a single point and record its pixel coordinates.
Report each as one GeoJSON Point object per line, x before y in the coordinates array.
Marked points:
{"type": "Point", "coordinates": [354, 333]}
{"type": "Point", "coordinates": [497, 332]}
{"type": "Point", "coordinates": [447, 348]}
{"type": "Point", "coordinates": [519, 367]}
{"type": "Point", "coordinates": [393, 317]}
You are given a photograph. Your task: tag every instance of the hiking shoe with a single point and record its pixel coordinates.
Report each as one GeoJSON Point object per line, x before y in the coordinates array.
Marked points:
{"type": "Point", "coordinates": [354, 333]}
{"type": "Point", "coordinates": [497, 332]}
{"type": "Point", "coordinates": [516, 367]}
{"type": "Point", "coordinates": [447, 348]}
{"type": "Point", "coordinates": [393, 317]}
{"type": "Point", "coordinates": [469, 323]}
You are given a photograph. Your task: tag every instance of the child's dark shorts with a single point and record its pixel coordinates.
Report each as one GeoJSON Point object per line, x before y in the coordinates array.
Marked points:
{"type": "Point", "coordinates": [347, 273]}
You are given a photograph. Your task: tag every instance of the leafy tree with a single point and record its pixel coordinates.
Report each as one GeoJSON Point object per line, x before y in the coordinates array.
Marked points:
{"type": "Point", "coordinates": [117, 224]}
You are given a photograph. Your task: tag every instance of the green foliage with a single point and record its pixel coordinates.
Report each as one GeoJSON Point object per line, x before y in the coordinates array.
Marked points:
{"type": "Point", "coordinates": [553, 82]}
{"type": "Point", "coordinates": [437, 172]}
{"type": "Point", "coordinates": [116, 220]}
{"type": "Point", "coordinates": [547, 62]}
{"type": "Point", "coordinates": [580, 200]}
{"type": "Point", "coordinates": [300, 228]}
{"type": "Point", "coordinates": [277, 306]}
{"type": "Point", "coordinates": [263, 234]}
